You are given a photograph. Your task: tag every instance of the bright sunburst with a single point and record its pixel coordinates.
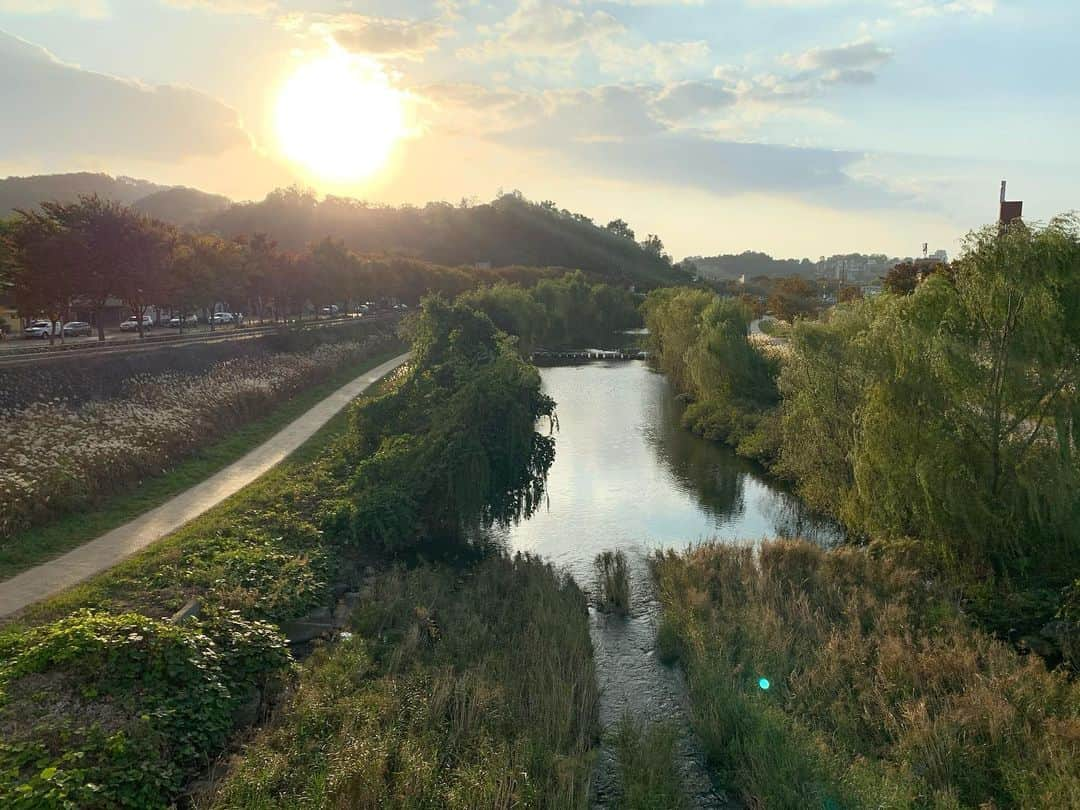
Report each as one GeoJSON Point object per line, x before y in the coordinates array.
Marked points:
{"type": "Point", "coordinates": [340, 117]}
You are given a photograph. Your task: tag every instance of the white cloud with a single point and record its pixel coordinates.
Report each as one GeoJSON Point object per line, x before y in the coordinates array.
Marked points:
{"type": "Point", "coordinates": [376, 36]}
{"type": "Point", "coordinates": [83, 8]}
{"type": "Point", "coordinates": [935, 8]}
{"type": "Point", "coordinates": [864, 54]}
{"type": "Point", "coordinates": [60, 110]}
{"type": "Point", "coordinates": [541, 28]}
{"type": "Point", "coordinates": [226, 6]}
{"type": "Point", "coordinates": [545, 39]}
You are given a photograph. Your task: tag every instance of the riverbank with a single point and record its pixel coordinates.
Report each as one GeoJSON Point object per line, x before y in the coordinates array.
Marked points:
{"type": "Point", "coordinates": [62, 457]}
{"type": "Point", "coordinates": [110, 694]}
{"type": "Point", "coordinates": [460, 687]}
{"type": "Point", "coordinates": [35, 545]}
{"type": "Point", "coordinates": [833, 679]}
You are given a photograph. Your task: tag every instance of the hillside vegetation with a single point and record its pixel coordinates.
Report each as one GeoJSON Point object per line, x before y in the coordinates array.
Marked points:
{"type": "Point", "coordinates": [28, 192]}
{"type": "Point", "coordinates": [508, 231]}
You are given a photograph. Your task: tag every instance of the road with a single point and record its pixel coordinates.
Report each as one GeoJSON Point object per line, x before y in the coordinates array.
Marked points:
{"type": "Point", "coordinates": [99, 555]}
{"type": "Point", "coordinates": [19, 352]}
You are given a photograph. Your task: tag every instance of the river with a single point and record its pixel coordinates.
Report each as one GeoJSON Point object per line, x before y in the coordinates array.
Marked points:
{"type": "Point", "coordinates": [627, 476]}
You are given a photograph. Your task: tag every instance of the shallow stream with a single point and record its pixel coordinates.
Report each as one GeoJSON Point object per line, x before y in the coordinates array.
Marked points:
{"type": "Point", "coordinates": [627, 476]}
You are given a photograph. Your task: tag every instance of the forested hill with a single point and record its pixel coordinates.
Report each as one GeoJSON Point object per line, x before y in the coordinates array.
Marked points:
{"type": "Point", "coordinates": [508, 231]}
{"type": "Point", "coordinates": [182, 206]}
{"type": "Point", "coordinates": [751, 264]}
{"type": "Point", "coordinates": [26, 192]}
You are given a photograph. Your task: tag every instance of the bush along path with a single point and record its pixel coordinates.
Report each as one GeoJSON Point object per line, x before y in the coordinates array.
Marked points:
{"type": "Point", "coordinates": [106, 551]}
{"type": "Point", "coordinates": [474, 676]}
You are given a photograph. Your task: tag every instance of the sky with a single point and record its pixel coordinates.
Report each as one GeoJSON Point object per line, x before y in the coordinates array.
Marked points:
{"type": "Point", "coordinates": [795, 127]}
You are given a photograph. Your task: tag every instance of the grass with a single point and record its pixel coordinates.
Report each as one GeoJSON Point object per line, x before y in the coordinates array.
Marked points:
{"type": "Point", "coordinates": [462, 688]}
{"type": "Point", "coordinates": [881, 692]}
{"type": "Point", "coordinates": [648, 775]}
{"type": "Point", "coordinates": [44, 542]}
{"type": "Point", "coordinates": [612, 582]}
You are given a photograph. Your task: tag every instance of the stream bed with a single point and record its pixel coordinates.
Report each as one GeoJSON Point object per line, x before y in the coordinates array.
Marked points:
{"type": "Point", "coordinates": [627, 476]}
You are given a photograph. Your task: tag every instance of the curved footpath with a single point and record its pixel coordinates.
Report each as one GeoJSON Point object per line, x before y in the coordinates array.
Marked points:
{"type": "Point", "coordinates": [47, 579]}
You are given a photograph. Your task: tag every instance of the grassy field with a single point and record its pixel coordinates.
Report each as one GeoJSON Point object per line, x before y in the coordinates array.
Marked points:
{"type": "Point", "coordinates": [41, 543]}
{"type": "Point", "coordinates": [833, 679]}
{"type": "Point", "coordinates": [462, 688]}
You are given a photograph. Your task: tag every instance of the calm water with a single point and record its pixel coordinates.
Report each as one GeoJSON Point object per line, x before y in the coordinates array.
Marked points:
{"type": "Point", "coordinates": [627, 476]}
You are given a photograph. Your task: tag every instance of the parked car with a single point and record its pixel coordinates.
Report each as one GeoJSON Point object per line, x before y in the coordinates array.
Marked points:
{"type": "Point", "coordinates": [77, 328]}
{"type": "Point", "coordinates": [41, 329]}
{"type": "Point", "coordinates": [189, 320]}
{"type": "Point", "coordinates": [333, 309]}
{"type": "Point", "coordinates": [223, 317]}
{"type": "Point", "coordinates": [132, 324]}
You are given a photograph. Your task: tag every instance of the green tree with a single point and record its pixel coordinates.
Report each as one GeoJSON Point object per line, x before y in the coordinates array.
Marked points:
{"type": "Point", "coordinates": [794, 297]}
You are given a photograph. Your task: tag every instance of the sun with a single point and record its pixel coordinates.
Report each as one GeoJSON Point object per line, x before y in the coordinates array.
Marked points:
{"type": "Point", "coordinates": [340, 117]}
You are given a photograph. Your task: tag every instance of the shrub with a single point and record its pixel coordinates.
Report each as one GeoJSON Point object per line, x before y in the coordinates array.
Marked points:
{"type": "Point", "coordinates": [880, 693]}
{"type": "Point", "coordinates": [103, 710]}
{"type": "Point", "coordinates": [460, 689]}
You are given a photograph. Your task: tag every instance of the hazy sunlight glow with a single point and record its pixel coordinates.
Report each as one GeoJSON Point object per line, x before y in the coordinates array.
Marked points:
{"type": "Point", "coordinates": [339, 117]}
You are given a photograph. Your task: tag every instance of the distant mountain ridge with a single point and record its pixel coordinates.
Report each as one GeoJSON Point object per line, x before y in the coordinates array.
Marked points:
{"type": "Point", "coordinates": [27, 192]}
{"type": "Point", "coordinates": [508, 231]}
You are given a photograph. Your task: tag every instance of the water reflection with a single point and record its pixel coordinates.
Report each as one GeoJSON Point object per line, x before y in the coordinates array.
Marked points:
{"type": "Point", "coordinates": [626, 474]}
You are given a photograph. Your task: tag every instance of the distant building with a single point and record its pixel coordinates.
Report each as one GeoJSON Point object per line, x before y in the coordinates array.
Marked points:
{"type": "Point", "coordinates": [940, 256]}
{"type": "Point", "coordinates": [1009, 211]}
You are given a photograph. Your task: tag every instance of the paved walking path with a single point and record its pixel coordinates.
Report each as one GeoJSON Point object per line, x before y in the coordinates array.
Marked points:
{"type": "Point", "coordinates": [98, 555]}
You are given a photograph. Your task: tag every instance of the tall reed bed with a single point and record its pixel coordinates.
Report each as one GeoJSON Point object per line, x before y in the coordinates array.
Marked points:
{"type": "Point", "coordinates": [832, 679]}
{"type": "Point", "coordinates": [58, 456]}
{"type": "Point", "coordinates": [649, 777]}
{"type": "Point", "coordinates": [461, 689]}
{"type": "Point", "coordinates": [612, 582]}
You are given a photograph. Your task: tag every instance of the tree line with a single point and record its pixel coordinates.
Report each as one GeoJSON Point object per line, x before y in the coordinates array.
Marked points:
{"type": "Point", "coordinates": [509, 230]}
{"type": "Point", "coordinates": [558, 313]}
{"type": "Point", "coordinates": [946, 411]}
{"type": "Point", "coordinates": [92, 251]}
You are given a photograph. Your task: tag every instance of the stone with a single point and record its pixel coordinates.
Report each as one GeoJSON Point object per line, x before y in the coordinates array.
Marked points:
{"type": "Point", "coordinates": [1038, 645]}
{"type": "Point", "coordinates": [301, 632]}
{"type": "Point", "coordinates": [190, 610]}
{"type": "Point", "coordinates": [319, 614]}
{"type": "Point", "coordinates": [247, 714]}
{"type": "Point", "coordinates": [342, 613]}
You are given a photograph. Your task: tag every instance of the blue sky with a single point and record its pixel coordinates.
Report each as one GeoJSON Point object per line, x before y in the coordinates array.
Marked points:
{"type": "Point", "coordinates": [798, 127]}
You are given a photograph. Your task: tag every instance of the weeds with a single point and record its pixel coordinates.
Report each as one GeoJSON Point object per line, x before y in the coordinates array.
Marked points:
{"type": "Point", "coordinates": [459, 690]}
{"type": "Point", "coordinates": [648, 774]}
{"type": "Point", "coordinates": [612, 582]}
{"type": "Point", "coordinates": [881, 693]}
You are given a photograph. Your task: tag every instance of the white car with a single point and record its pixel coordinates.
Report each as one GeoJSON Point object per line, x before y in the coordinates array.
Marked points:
{"type": "Point", "coordinates": [132, 324]}
{"type": "Point", "coordinates": [42, 329]}
{"type": "Point", "coordinates": [223, 317]}
{"type": "Point", "coordinates": [189, 320]}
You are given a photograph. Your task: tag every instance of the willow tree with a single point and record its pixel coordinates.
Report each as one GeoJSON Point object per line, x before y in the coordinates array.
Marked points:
{"type": "Point", "coordinates": [454, 445]}
{"type": "Point", "coordinates": [951, 414]}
